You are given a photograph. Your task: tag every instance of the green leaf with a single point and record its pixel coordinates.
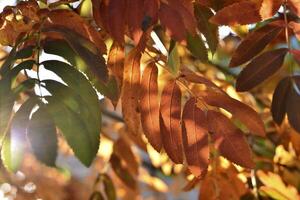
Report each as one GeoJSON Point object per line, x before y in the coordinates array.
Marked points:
{"type": "Point", "coordinates": [74, 130]}
{"type": "Point", "coordinates": [209, 30]}
{"type": "Point", "coordinates": [42, 136]}
{"type": "Point", "coordinates": [197, 47]}
{"type": "Point", "coordinates": [6, 104]}
{"type": "Point", "coordinates": [14, 142]}
{"type": "Point", "coordinates": [173, 58]}
{"type": "Point", "coordinates": [85, 49]}
{"type": "Point", "coordinates": [109, 187]}
{"type": "Point", "coordinates": [78, 82]}
{"type": "Point", "coordinates": [25, 52]}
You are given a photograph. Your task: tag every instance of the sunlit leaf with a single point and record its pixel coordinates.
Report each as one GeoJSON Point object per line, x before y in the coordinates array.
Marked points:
{"type": "Point", "coordinates": [170, 114]}
{"type": "Point", "coordinates": [149, 106]}
{"type": "Point", "coordinates": [195, 138]}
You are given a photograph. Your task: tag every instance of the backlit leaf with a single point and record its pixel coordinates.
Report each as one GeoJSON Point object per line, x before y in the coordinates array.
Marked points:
{"type": "Point", "coordinates": [254, 43]}
{"type": "Point", "coordinates": [240, 111]}
{"type": "Point", "coordinates": [269, 8]}
{"type": "Point", "coordinates": [260, 68]}
{"type": "Point", "coordinates": [149, 106]}
{"type": "Point", "coordinates": [130, 92]}
{"type": "Point", "coordinates": [195, 138]}
{"type": "Point", "coordinates": [279, 101]}
{"type": "Point", "coordinates": [229, 140]}
{"type": "Point", "coordinates": [170, 113]}
{"type": "Point", "coordinates": [240, 13]}
{"type": "Point", "coordinates": [42, 137]}
{"type": "Point", "coordinates": [116, 17]}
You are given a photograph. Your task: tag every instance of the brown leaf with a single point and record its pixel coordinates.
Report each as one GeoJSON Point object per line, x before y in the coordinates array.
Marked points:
{"type": "Point", "coordinates": [74, 22]}
{"type": "Point", "coordinates": [229, 140]}
{"type": "Point", "coordinates": [149, 106]}
{"type": "Point", "coordinates": [255, 42]}
{"type": "Point", "coordinates": [260, 68]}
{"type": "Point", "coordinates": [240, 13]}
{"type": "Point", "coordinates": [130, 92]}
{"type": "Point", "coordinates": [123, 150]}
{"type": "Point", "coordinates": [269, 8]}
{"type": "Point", "coordinates": [116, 19]}
{"type": "Point", "coordinates": [170, 113]}
{"type": "Point", "coordinates": [239, 110]}
{"type": "Point", "coordinates": [115, 63]}
{"type": "Point", "coordinates": [279, 100]}
{"type": "Point", "coordinates": [172, 21]}
{"type": "Point", "coordinates": [195, 138]}
{"type": "Point", "coordinates": [293, 102]}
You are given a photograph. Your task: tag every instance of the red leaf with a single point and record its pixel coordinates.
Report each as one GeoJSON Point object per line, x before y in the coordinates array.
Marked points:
{"type": "Point", "coordinates": [149, 106]}
{"type": "Point", "coordinates": [172, 21]}
{"type": "Point", "coordinates": [100, 13]}
{"type": "Point", "coordinates": [195, 138]}
{"type": "Point", "coordinates": [239, 110]}
{"type": "Point", "coordinates": [117, 19]}
{"type": "Point", "coordinates": [294, 5]}
{"type": "Point", "coordinates": [260, 68]}
{"type": "Point", "coordinates": [245, 12]}
{"type": "Point", "coordinates": [130, 92]}
{"type": "Point", "coordinates": [170, 113]}
{"type": "Point", "coordinates": [255, 42]}
{"type": "Point", "coordinates": [135, 15]}
{"type": "Point", "coordinates": [229, 140]}
{"type": "Point", "coordinates": [296, 28]}
{"type": "Point", "coordinates": [293, 102]}
{"type": "Point", "coordinates": [280, 96]}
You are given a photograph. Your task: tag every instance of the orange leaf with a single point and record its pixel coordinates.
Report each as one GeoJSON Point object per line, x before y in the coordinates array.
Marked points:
{"type": "Point", "coordinates": [260, 68]}
{"type": "Point", "coordinates": [115, 63]}
{"type": "Point", "coordinates": [170, 113]}
{"type": "Point", "coordinates": [245, 12]}
{"type": "Point", "coordinates": [239, 110]}
{"type": "Point", "coordinates": [269, 8]}
{"type": "Point", "coordinates": [296, 28]}
{"type": "Point", "coordinates": [100, 13]}
{"type": "Point", "coordinates": [255, 42]}
{"type": "Point", "coordinates": [135, 15]}
{"type": "Point", "coordinates": [195, 138]}
{"type": "Point", "coordinates": [73, 21]}
{"type": "Point", "coordinates": [149, 106]}
{"type": "Point", "coordinates": [172, 21]}
{"type": "Point", "coordinates": [294, 5]}
{"type": "Point", "coordinates": [229, 140]}
{"type": "Point", "coordinates": [130, 92]}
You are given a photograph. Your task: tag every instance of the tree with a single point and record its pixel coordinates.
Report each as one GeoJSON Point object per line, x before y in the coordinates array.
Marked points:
{"type": "Point", "coordinates": [163, 65]}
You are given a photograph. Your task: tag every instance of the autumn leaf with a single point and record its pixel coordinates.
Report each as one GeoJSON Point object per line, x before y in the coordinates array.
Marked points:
{"type": "Point", "coordinates": [172, 21]}
{"type": "Point", "coordinates": [195, 138]}
{"type": "Point", "coordinates": [229, 140]}
{"type": "Point", "coordinates": [170, 113]}
{"type": "Point", "coordinates": [240, 13]}
{"type": "Point", "coordinates": [240, 111]}
{"type": "Point", "coordinates": [292, 104]}
{"type": "Point", "coordinates": [149, 106]}
{"type": "Point", "coordinates": [294, 5]}
{"type": "Point", "coordinates": [269, 8]}
{"type": "Point", "coordinates": [296, 28]}
{"type": "Point", "coordinates": [255, 42]}
{"type": "Point", "coordinates": [130, 92]}
{"type": "Point", "coordinates": [260, 68]}
{"type": "Point", "coordinates": [279, 101]}
{"type": "Point", "coordinates": [135, 15]}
